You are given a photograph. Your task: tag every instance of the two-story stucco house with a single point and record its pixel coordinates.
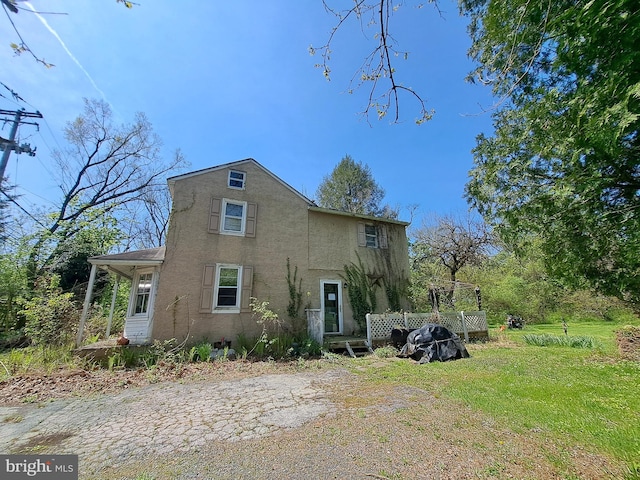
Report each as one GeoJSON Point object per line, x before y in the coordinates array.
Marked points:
{"type": "Point", "coordinates": [231, 231]}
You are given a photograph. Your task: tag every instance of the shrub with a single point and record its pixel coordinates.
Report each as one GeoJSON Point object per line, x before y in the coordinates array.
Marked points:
{"type": "Point", "coordinates": [125, 357]}
{"type": "Point", "coordinates": [51, 316]}
{"type": "Point", "coordinates": [201, 352]}
{"type": "Point", "coordinates": [306, 347]}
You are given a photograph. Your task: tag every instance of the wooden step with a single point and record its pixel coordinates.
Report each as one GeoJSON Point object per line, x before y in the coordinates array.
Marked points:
{"type": "Point", "coordinates": [358, 350]}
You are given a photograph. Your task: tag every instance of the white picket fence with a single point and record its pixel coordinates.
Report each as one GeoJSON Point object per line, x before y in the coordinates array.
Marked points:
{"type": "Point", "coordinates": [465, 324]}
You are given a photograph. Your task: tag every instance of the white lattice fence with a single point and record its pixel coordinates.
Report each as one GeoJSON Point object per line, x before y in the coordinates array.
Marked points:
{"type": "Point", "coordinates": [476, 321]}
{"type": "Point", "coordinates": [453, 321]}
{"type": "Point", "coordinates": [379, 326]}
{"type": "Point", "coordinates": [416, 320]}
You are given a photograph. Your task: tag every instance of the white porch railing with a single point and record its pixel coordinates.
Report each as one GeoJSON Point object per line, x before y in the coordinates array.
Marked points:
{"type": "Point", "coordinates": [315, 325]}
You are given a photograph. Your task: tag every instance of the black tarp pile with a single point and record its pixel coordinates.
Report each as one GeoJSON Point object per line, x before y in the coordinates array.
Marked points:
{"type": "Point", "coordinates": [433, 342]}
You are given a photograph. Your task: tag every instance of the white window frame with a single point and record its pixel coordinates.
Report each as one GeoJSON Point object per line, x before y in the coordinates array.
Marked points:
{"type": "Point", "coordinates": [133, 300]}
{"type": "Point", "coordinates": [227, 308]}
{"type": "Point", "coordinates": [371, 236]}
{"type": "Point", "coordinates": [242, 181]}
{"type": "Point", "coordinates": [223, 216]}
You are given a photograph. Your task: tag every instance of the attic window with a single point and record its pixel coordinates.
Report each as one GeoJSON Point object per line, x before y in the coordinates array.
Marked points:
{"type": "Point", "coordinates": [236, 179]}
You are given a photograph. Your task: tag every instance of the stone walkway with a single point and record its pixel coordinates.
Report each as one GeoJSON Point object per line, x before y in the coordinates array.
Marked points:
{"type": "Point", "coordinates": [165, 418]}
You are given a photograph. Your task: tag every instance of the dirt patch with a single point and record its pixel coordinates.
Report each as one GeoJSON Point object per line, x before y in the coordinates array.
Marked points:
{"type": "Point", "coordinates": [628, 340]}
{"type": "Point", "coordinates": [40, 442]}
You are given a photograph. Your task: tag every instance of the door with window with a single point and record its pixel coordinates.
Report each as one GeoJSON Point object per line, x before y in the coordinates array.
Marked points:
{"type": "Point", "coordinates": [331, 304]}
{"type": "Point", "coordinates": [137, 327]}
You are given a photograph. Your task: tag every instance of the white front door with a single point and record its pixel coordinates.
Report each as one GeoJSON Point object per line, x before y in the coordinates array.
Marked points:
{"type": "Point", "coordinates": [137, 327]}
{"type": "Point", "coordinates": [331, 305]}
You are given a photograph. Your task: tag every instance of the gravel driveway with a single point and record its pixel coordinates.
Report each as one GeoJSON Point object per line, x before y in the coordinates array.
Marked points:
{"type": "Point", "coordinates": [318, 424]}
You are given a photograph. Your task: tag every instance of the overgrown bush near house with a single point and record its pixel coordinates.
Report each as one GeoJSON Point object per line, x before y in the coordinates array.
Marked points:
{"type": "Point", "coordinates": [295, 291]}
{"type": "Point", "coordinates": [124, 357]}
{"type": "Point", "coordinates": [40, 358]}
{"type": "Point", "coordinates": [95, 327]}
{"type": "Point", "coordinates": [51, 315]}
{"type": "Point", "coordinates": [305, 347]}
{"type": "Point", "coordinates": [201, 352]}
{"type": "Point", "coordinates": [277, 340]}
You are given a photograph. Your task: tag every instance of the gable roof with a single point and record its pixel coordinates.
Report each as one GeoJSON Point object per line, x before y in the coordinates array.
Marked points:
{"type": "Point", "coordinates": [172, 180]}
{"type": "Point", "coordinates": [311, 204]}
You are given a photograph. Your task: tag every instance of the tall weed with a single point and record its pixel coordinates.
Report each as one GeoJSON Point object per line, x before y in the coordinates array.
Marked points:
{"type": "Point", "coordinates": [546, 340]}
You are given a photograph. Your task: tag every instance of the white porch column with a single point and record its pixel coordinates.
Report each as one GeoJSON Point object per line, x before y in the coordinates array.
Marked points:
{"type": "Point", "coordinates": [113, 305]}
{"type": "Point", "coordinates": [87, 302]}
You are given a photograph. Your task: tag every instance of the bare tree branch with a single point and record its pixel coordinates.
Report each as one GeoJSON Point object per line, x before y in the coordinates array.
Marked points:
{"type": "Point", "coordinates": [384, 97]}
{"type": "Point", "coordinates": [105, 168]}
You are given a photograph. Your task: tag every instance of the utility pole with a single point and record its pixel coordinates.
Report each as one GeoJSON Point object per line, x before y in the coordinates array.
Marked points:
{"type": "Point", "coordinates": [9, 145]}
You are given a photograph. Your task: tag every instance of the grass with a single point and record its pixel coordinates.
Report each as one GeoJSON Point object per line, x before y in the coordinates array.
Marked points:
{"type": "Point", "coordinates": [41, 358]}
{"type": "Point", "coordinates": [579, 396]}
{"type": "Point", "coordinates": [585, 396]}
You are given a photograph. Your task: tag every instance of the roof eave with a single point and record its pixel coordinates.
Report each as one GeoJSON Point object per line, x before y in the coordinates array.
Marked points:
{"type": "Point", "coordinates": [357, 215]}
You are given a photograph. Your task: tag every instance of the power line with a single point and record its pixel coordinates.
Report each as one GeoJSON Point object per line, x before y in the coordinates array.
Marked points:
{"type": "Point", "coordinates": [13, 200]}
{"type": "Point", "coordinates": [9, 145]}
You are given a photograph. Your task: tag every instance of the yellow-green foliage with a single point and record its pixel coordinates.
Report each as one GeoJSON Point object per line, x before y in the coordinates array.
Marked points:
{"type": "Point", "coordinates": [51, 316]}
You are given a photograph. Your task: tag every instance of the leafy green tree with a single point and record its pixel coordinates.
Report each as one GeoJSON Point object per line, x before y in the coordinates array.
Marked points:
{"type": "Point", "coordinates": [563, 163]}
{"type": "Point", "coordinates": [5, 198]}
{"type": "Point", "coordinates": [13, 284]}
{"type": "Point", "coordinates": [352, 188]}
{"type": "Point", "coordinates": [51, 315]}
{"type": "Point", "coordinates": [69, 259]}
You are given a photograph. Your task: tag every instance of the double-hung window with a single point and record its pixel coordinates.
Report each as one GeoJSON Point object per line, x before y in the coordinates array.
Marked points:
{"type": "Point", "coordinates": [227, 291]}
{"type": "Point", "coordinates": [372, 236]}
{"type": "Point", "coordinates": [226, 288]}
{"type": "Point", "coordinates": [233, 217]}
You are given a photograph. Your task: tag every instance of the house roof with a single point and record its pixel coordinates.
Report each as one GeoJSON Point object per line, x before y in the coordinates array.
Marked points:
{"type": "Point", "coordinates": [357, 215]}
{"type": "Point", "coordinates": [312, 205]}
{"type": "Point", "coordinates": [172, 180]}
{"type": "Point", "coordinates": [124, 263]}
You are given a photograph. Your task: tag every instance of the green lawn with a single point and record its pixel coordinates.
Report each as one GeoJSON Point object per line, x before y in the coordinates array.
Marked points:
{"type": "Point", "coordinates": [579, 396]}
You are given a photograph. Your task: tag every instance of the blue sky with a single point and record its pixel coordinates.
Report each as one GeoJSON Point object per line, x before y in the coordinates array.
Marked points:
{"type": "Point", "coordinates": [224, 81]}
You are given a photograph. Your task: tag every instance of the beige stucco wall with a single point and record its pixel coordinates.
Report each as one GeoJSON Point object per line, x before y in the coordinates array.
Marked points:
{"type": "Point", "coordinates": [281, 229]}
{"type": "Point", "coordinates": [318, 244]}
{"type": "Point", "coordinates": [333, 243]}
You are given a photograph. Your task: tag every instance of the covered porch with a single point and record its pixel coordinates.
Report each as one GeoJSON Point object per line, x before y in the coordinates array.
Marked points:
{"type": "Point", "coordinates": [142, 268]}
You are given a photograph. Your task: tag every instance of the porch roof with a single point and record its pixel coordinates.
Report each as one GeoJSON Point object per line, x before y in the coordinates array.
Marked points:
{"type": "Point", "coordinates": [125, 263]}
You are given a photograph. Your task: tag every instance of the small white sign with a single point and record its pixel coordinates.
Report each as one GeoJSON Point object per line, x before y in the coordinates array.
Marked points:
{"type": "Point", "coordinates": [331, 297]}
